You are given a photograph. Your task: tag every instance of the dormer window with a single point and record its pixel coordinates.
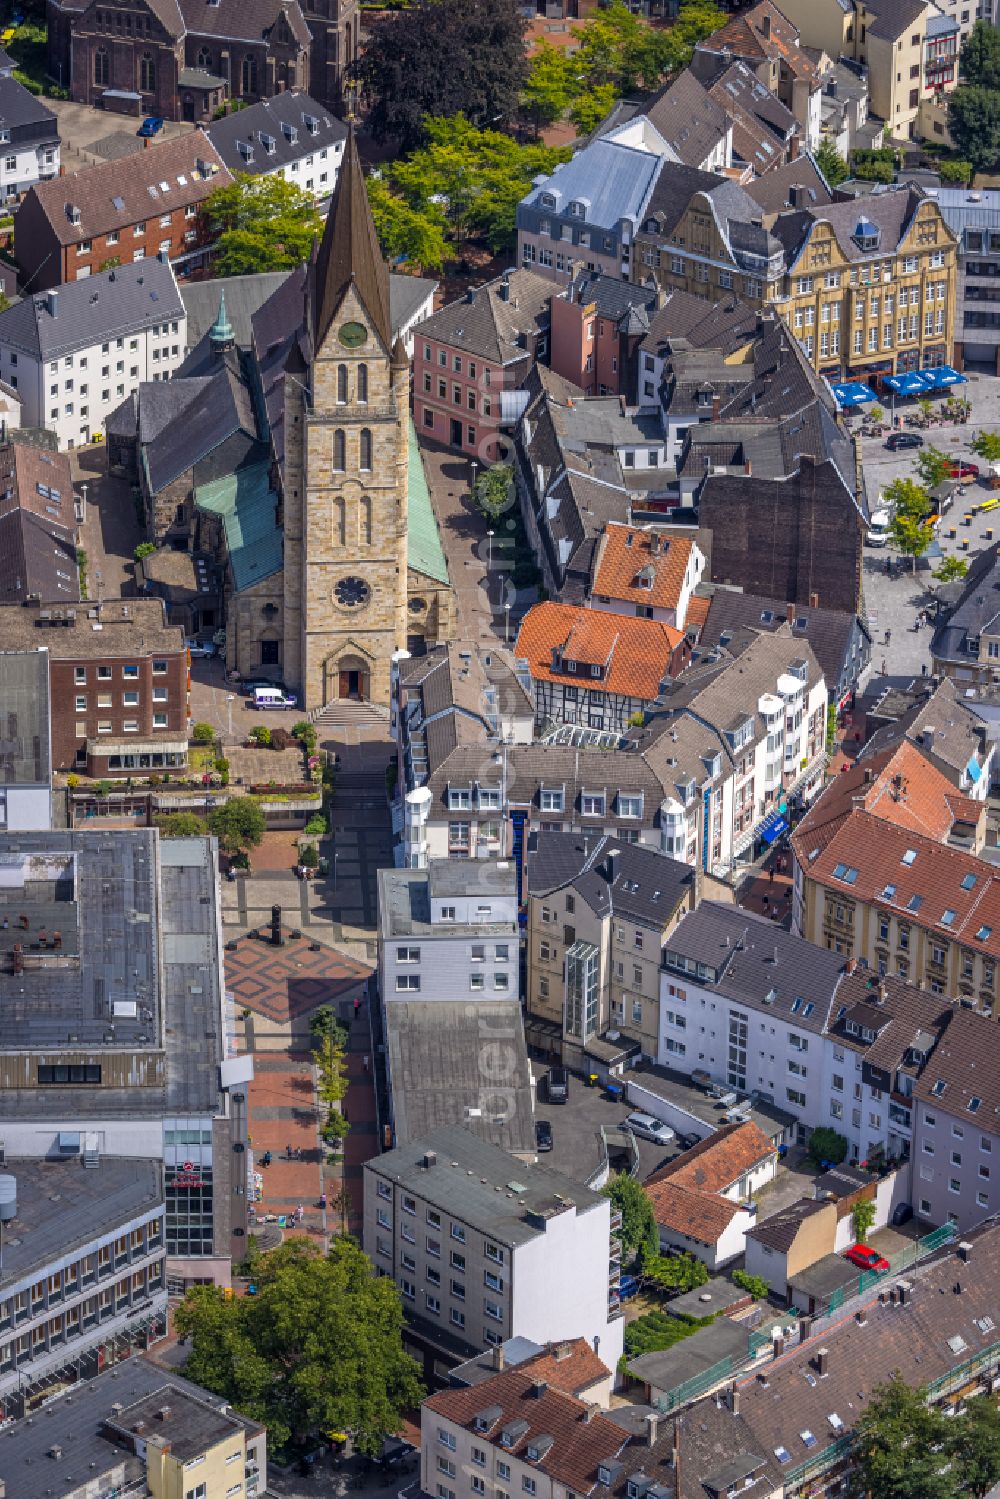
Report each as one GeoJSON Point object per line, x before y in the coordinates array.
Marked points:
{"type": "Point", "coordinates": [268, 142]}
{"type": "Point", "coordinates": [547, 200]}
{"type": "Point", "coordinates": [311, 123]}
{"type": "Point", "coordinates": [538, 1447]}
{"type": "Point", "coordinates": [578, 210]}
{"type": "Point", "coordinates": [73, 213]}
{"type": "Point", "coordinates": [866, 236]}
{"type": "Point", "coordinates": [553, 799]}
{"type": "Point", "coordinates": [290, 133]}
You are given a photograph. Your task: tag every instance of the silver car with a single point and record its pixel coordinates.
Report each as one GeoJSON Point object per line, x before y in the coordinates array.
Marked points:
{"type": "Point", "coordinates": [648, 1128]}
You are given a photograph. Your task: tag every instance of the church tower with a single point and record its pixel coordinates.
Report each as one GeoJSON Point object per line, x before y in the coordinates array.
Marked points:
{"type": "Point", "coordinates": [354, 436]}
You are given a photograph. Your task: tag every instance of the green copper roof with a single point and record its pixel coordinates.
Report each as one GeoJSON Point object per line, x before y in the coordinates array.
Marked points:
{"type": "Point", "coordinates": [221, 331]}
{"type": "Point", "coordinates": [246, 504]}
{"type": "Point", "coordinates": [424, 552]}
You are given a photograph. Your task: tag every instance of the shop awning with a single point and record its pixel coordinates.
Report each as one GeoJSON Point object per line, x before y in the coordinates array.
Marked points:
{"type": "Point", "coordinates": [906, 385]}
{"type": "Point", "coordinates": [772, 827]}
{"type": "Point", "coordinates": [853, 393]}
{"type": "Point", "coordinates": [936, 379]}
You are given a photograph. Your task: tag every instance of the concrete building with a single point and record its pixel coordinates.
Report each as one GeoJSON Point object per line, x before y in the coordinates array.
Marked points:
{"type": "Point", "coordinates": [29, 140]}
{"type": "Point", "coordinates": [141, 206]}
{"type": "Point", "coordinates": [117, 1038]}
{"type": "Point", "coordinates": [289, 136]}
{"type": "Point", "coordinates": [974, 219]}
{"type": "Point", "coordinates": [956, 1140]}
{"type": "Point", "coordinates": [122, 686]}
{"type": "Point", "coordinates": [596, 325]}
{"type": "Point", "coordinates": [448, 932]}
{"type": "Point", "coordinates": [137, 1430]}
{"type": "Point", "coordinates": [81, 1288]}
{"type": "Point", "coordinates": [76, 352]}
{"type": "Point", "coordinates": [481, 1248]}
{"type": "Point", "coordinates": [25, 742]}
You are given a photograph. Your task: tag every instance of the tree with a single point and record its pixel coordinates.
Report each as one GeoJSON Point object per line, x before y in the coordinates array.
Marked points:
{"type": "Point", "coordinates": [638, 1231]}
{"type": "Point", "coordinates": [910, 505]}
{"type": "Point", "coordinates": [900, 1446]}
{"type": "Point", "coordinates": [203, 733]}
{"type": "Point", "coordinates": [318, 1348]}
{"type": "Point", "coordinates": [590, 108]}
{"type": "Point", "coordinates": [494, 490]}
{"type": "Point", "coordinates": [238, 824]}
{"type": "Point", "coordinates": [551, 84]}
{"type": "Point", "coordinates": [442, 58]}
{"type": "Point", "coordinates": [674, 1272]}
{"type": "Point", "coordinates": [974, 123]}
{"type": "Point", "coordinates": [955, 171]}
{"type": "Point", "coordinates": [979, 64]}
{"type": "Point", "coordinates": [933, 466]}
{"type": "Point", "coordinates": [405, 232]}
{"type": "Point", "coordinates": [987, 445]}
{"type": "Point", "coordinates": [263, 223]}
{"type": "Point", "coordinates": [826, 1145]}
{"type": "Point", "coordinates": [862, 1218]}
{"type": "Point", "coordinates": [323, 1022]}
{"type": "Point", "coordinates": [182, 825]}
{"type": "Point", "coordinates": [754, 1285]}
{"type": "Point", "coordinates": [974, 1447]}
{"type": "Point", "coordinates": [831, 163]}
{"type": "Point", "coordinates": [952, 569]}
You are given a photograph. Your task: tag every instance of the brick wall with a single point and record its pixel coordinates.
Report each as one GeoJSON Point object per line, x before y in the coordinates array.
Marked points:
{"type": "Point", "coordinates": [81, 702]}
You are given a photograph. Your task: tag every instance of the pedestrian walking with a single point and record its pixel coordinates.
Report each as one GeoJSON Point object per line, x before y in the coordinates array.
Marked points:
{"type": "Point", "coordinates": [766, 903]}
{"type": "Point", "coordinates": [770, 874]}
{"type": "Point", "coordinates": [357, 1008]}
{"type": "Point", "coordinates": [888, 636]}
{"type": "Point", "coordinates": [365, 1064]}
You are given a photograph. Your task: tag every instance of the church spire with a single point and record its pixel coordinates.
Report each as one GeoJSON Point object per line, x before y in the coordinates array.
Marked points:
{"type": "Point", "coordinates": [350, 252]}
{"type": "Point", "coordinates": [221, 335]}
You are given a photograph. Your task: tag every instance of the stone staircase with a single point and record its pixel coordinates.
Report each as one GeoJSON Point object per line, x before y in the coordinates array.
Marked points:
{"type": "Point", "coordinates": [346, 713]}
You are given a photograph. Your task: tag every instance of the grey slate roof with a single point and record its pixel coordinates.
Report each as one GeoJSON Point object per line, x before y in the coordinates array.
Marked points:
{"type": "Point", "coordinates": [279, 118]}
{"type": "Point", "coordinates": [976, 613]}
{"type": "Point", "coordinates": [37, 527]}
{"type": "Point", "coordinates": [894, 17]}
{"type": "Point", "coordinates": [778, 188]}
{"type": "Point", "coordinates": [688, 118]}
{"type": "Point", "coordinates": [113, 304]}
{"type": "Point", "coordinates": [942, 725]}
{"type": "Point", "coordinates": [18, 106]}
{"type": "Point", "coordinates": [613, 299]}
{"type": "Point", "coordinates": [241, 20]}
{"type": "Point", "coordinates": [25, 753]}
{"type": "Point", "coordinates": [780, 1229]}
{"type": "Point", "coordinates": [752, 958]}
{"type": "Point", "coordinates": [219, 408]}
{"type": "Point", "coordinates": [613, 180]}
{"type": "Point", "coordinates": [464, 1180]}
{"type": "Point", "coordinates": [485, 324]}
{"type": "Point", "coordinates": [643, 884]}
{"type": "Point", "coordinates": [830, 632]}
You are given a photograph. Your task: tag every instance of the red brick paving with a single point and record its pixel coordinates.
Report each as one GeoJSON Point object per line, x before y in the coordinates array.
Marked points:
{"type": "Point", "coordinates": [284, 1081]}
{"type": "Point", "coordinates": [277, 851]}
{"type": "Point", "coordinates": [286, 982]}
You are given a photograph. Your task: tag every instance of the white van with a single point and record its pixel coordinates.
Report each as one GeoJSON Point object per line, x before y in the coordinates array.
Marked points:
{"type": "Point", "coordinates": [878, 528]}
{"type": "Point", "coordinates": [265, 698]}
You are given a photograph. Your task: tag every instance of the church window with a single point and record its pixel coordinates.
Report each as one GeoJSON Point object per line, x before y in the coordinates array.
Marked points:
{"type": "Point", "coordinates": [147, 73]}
{"type": "Point", "coordinates": [363, 384]}
{"type": "Point", "coordinates": [341, 384]}
{"type": "Point", "coordinates": [204, 58]}
{"type": "Point", "coordinates": [352, 593]}
{"type": "Point", "coordinates": [366, 520]}
{"type": "Point", "coordinates": [249, 75]}
{"type": "Point", "coordinates": [102, 70]}
{"type": "Point", "coordinates": [269, 653]}
{"type": "Point", "coordinates": [365, 449]}
{"type": "Point", "coordinates": [339, 451]}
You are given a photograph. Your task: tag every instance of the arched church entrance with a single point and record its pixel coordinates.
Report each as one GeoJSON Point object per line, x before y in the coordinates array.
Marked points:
{"type": "Point", "coordinates": [348, 677]}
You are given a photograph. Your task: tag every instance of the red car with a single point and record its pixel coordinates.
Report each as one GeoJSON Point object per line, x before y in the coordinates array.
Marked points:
{"type": "Point", "coordinates": [867, 1259]}
{"type": "Point", "coordinates": [961, 469]}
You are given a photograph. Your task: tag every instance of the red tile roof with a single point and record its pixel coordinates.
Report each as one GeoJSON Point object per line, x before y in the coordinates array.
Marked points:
{"type": "Point", "coordinates": [763, 32]}
{"type": "Point", "coordinates": [697, 612]}
{"type": "Point", "coordinates": [641, 566]}
{"type": "Point", "coordinates": [702, 1216]}
{"type": "Point", "coordinates": [582, 1438]}
{"type": "Point", "coordinates": [686, 1194]}
{"type": "Point", "coordinates": [571, 1366]}
{"type": "Point", "coordinates": [635, 654]}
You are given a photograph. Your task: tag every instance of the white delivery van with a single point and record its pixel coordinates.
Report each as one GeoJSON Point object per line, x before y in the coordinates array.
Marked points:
{"type": "Point", "coordinates": [878, 528]}
{"type": "Point", "coordinates": [272, 697]}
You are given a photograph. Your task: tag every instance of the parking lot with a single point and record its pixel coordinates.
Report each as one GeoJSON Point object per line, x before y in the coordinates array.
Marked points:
{"type": "Point", "coordinates": [577, 1149]}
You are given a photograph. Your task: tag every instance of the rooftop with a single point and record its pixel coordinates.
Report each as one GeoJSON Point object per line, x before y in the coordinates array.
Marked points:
{"type": "Point", "coordinates": [779, 1231]}
{"type": "Point", "coordinates": [613, 181]}
{"type": "Point", "coordinates": [692, 1356]}
{"type": "Point", "coordinates": [405, 901]}
{"type": "Point", "coordinates": [25, 748]}
{"type": "Point", "coordinates": [81, 314]}
{"type": "Point", "coordinates": [609, 875]}
{"type": "Point", "coordinates": [641, 566]}
{"type": "Point", "coordinates": [130, 628]}
{"type": "Point", "coordinates": [493, 321]}
{"type": "Point", "coordinates": [962, 1077]}
{"type": "Point", "coordinates": [63, 1205]}
{"type": "Point", "coordinates": [571, 1365]}
{"type": "Point", "coordinates": [480, 1185]}
{"type": "Point", "coordinates": [687, 1193]}
{"type": "Point", "coordinates": [274, 133]}
{"type": "Point", "coordinates": [824, 1278]}
{"type": "Point", "coordinates": [37, 526]}
{"type": "Point", "coordinates": [633, 656]}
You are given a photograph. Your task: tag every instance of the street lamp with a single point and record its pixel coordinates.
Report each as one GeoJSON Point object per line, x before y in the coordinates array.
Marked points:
{"type": "Point", "coordinates": [506, 622]}
{"type": "Point", "coordinates": [335, 856]}
{"type": "Point", "coordinates": [229, 704]}
{"type": "Point", "coordinates": [489, 553]}
{"type": "Point", "coordinates": [473, 466]}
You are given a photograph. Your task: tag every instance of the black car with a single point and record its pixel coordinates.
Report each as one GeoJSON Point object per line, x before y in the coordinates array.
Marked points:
{"type": "Point", "coordinates": [557, 1085]}
{"type": "Point", "coordinates": [543, 1135]}
{"type": "Point", "coordinates": [686, 1142]}
{"type": "Point", "coordinates": [897, 440]}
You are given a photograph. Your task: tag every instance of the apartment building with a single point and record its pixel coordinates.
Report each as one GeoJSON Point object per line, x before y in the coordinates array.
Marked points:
{"type": "Point", "coordinates": [972, 218]}
{"type": "Point", "coordinates": [29, 140]}
{"type": "Point", "coordinates": [940, 721]}
{"type": "Point", "coordinates": [646, 573]}
{"type": "Point", "coordinates": [135, 208]}
{"type": "Point", "coordinates": [76, 352]}
{"type": "Point", "coordinates": [966, 643]}
{"type": "Point", "coordinates": [472, 351]}
{"type": "Point", "coordinates": [133, 1431]}
{"type": "Point", "coordinates": [596, 325]}
{"type": "Point", "coordinates": [126, 674]}
{"type": "Point", "coordinates": [449, 931]}
{"type": "Point", "coordinates": [599, 912]}
{"type": "Point", "coordinates": [956, 1140]}
{"type": "Point", "coordinates": [767, 41]}
{"type": "Point", "coordinates": [479, 1247]}
{"type": "Point", "coordinates": [591, 667]}
{"type": "Point", "coordinates": [289, 136]}
{"type": "Point", "coordinates": [38, 526]}
{"type": "Point", "coordinates": [83, 1288]}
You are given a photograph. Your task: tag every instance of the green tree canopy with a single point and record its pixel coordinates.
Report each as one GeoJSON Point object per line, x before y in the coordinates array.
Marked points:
{"type": "Point", "coordinates": [909, 532]}
{"type": "Point", "coordinates": [974, 1447]}
{"type": "Point", "coordinates": [182, 825]}
{"type": "Point", "coordinates": [551, 84]}
{"type": "Point", "coordinates": [904, 1449]}
{"type": "Point", "coordinates": [979, 63]}
{"type": "Point", "coordinates": [238, 824]}
{"type": "Point", "coordinates": [317, 1349]}
{"type": "Point", "coordinates": [638, 1231]}
{"type": "Point", "coordinates": [405, 232]}
{"type": "Point", "coordinates": [862, 1218]}
{"type": "Point", "coordinates": [263, 224]}
{"type": "Point", "coordinates": [951, 570]}
{"type": "Point", "coordinates": [495, 491]}
{"type": "Point", "coordinates": [831, 163]}
{"type": "Point", "coordinates": [826, 1145]}
{"type": "Point", "coordinates": [440, 58]}
{"type": "Point", "coordinates": [974, 123]}
{"type": "Point", "coordinates": [933, 466]}
{"type": "Point", "coordinates": [987, 445]}
{"type": "Point", "coordinates": [589, 108]}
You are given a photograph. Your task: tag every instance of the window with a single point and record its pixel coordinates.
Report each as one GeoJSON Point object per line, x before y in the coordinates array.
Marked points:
{"type": "Point", "coordinates": [407, 983]}
{"type": "Point", "coordinates": [342, 384]}
{"type": "Point", "coordinates": [458, 1232]}
{"type": "Point", "coordinates": [147, 73]}
{"type": "Point", "coordinates": [102, 70]}
{"type": "Point", "coordinates": [363, 384]}
{"type": "Point", "coordinates": [339, 451]}
{"type": "Point", "coordinates": [365, 450]}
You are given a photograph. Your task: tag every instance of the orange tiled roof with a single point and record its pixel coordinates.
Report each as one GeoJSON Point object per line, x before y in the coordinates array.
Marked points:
{"type": "Point", "coordinates": [702, 1216]}
{"type": "Point", "coordinates": [635, 653]}
{"type": "Point", "coordinates": [686, 1194]}
{"type": "Point", "coordinates": [697, 612]}
{"type": "Point", "coordinates": [745, 36]}
{"type": "Point", "coordinates": [898, 786]}
{"type": "Point", "coordinates": [625, 553]}
{"type": "Point", "coordinates": [873, 861]}
{"type": "Point", "coordinates": [570, 1366]}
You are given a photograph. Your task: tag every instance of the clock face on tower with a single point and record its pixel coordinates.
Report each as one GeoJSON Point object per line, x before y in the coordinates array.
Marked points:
{"type": "Point", "coordinates": [352, 593]}
{"type": "Point", "coordinates": [353, 335]}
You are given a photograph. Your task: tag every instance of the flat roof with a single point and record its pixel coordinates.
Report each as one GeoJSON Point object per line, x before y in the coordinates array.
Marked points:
{"type": "Point", "coordinates": [826, 1276]}
{"type": "Point", "coordinates": [441, 1055]}
{"type": "Point", "coordinates": [76, 1425]}
{"type": "Point", "coordinates": [404, 909]}
{"type": "Point", "coordinates": [129, 628]}
{"type": "Point", "coordinates": [25, 752]}
{"type": "Point", "coordinates": [472, 877]}
{"type": "Point", "coordinates": [715, 1296]}
{"type": "Point", "coordinates": [691, 1356]}
{"type": "Point", "coordinates": [482, 1186]}
{"type": "Point", "coordinates": [136, 969]}
{"type": "Point", "coordinates": [63, 1204]}
{"type": "Point", "coordinates": [678, 1089]}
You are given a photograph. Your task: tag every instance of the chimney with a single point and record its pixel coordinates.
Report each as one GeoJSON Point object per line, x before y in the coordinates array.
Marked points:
{"type": "Point", "coordinates": [777, 1346]}
{"type": "Point", "coordinates": [589, 1413]}
{"type": "Point", "coordinates": [868, 775]}
{"type": "Point", "coordinates": [52, 302]}
{"type": "Point", "coordinates": [905, 1291]}
{"type": "Point", "coordinates": [814, 601]}
{"type": "Point", "coordinates": [163, 1413]}
{"type": "Point", "coordinates": [823, 1362]}
{"type": "Point", "coordinates": [716, 407]}
{"type": "Point", "coordinates": [275, 926]}
{"type": "Point", "coordinates": [734, 1400]}
{"type": "Point", "coordinates": [805, 1329]}
{"type": "Point", "coordinates": [611, 865]}
{"type": "Point", "coordinates": [652, 1428]}
{"type": "Point", "coordinates": [430, 1159]}
{"type": "Point", "coordinates": [505, 287]}
{"type": "Point", "coordinates": [861, 1316]}
{"type": "Point", "coordinates": [498, 1358]}
{"type": "Point", "coordinates": [538, 1388]}
{"type": "Point", "coordinates": [765, 27]}
{"type": "Point", "coordinates": [789, 612]}
{"type": "Point", "coordinates": [965, 1251]}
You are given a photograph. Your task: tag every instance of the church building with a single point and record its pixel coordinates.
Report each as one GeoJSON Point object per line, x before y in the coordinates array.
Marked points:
{"type": "Point", "coordinates": [294, 464]}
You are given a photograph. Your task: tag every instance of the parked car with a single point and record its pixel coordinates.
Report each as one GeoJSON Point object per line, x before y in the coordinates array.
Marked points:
{"type": "Point", "coordinates": [897, 440]}
{"type": "Point", "coordinates": [648, 1128]}
{"type": "Point", "coordinates": [867, 1259]}
{"type": "Point", "coordinates": [961, 468]}
{"type": "Point", "coordinates": [687, 1142]}
{"type": "Point", "coordinates": [151, 125]}
{"type": "Point", "coordinates": [543, 1135]}
{"type": "Point", "coordinates": [200, 647]}
{"type": "Point", "coordinates": [557, 1085]}
{"type": "Point", "coordinates": [269, 698]}
{"type": "Point", "coordinates": [702, 1079]}
{"type": "Point", "coordinates": [878, 528]}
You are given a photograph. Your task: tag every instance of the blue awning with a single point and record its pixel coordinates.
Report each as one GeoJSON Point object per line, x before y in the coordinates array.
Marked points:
{"type": "Point", "coordinates": [906, 385]}
{"type": "Point", "coordinates": [937, 379]}
{"type": "Point", "coordinates": [772, 827]}
{"type": "Point", "coordinates": [853, 393]}
{"type": "Point", "coordinates": [974, 770]}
